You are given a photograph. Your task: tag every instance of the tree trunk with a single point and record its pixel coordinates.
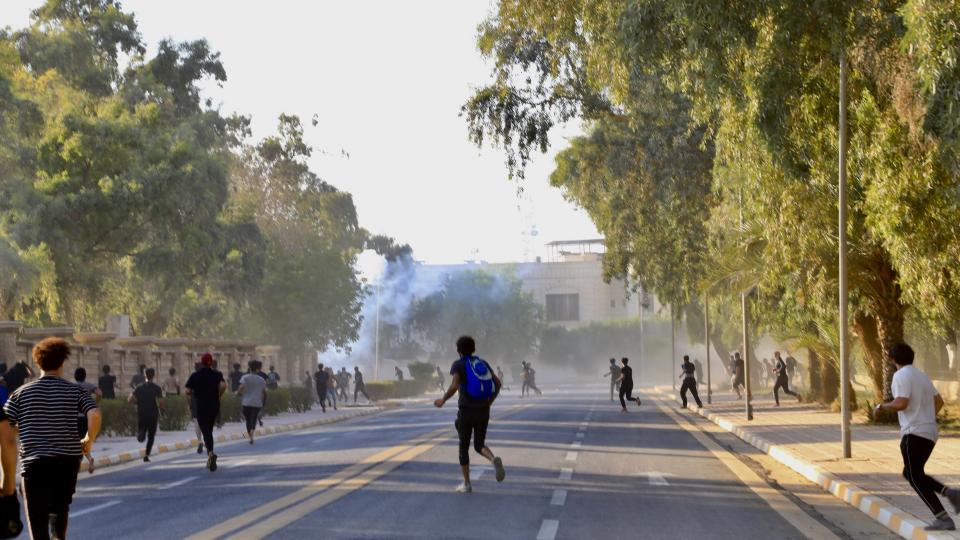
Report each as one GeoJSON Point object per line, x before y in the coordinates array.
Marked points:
{"type": "Point", "coordinates": [829, 381]}
{"type": "Point", "coordinates": [865, 326]}
{"type": "Point", "coordinates": [814, 367]}
{"type": "Point", "coordinates": [884, 299]}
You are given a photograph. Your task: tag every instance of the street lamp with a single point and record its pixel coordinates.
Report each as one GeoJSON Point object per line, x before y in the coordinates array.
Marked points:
{"type": "Point", "coordinates": [842, 248]}
{"type": "Point", "coordinates": [706, 328]}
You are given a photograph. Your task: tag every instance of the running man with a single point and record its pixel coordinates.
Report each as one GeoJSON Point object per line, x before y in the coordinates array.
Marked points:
{"type": "Point", "coordinates": [44, 413]}
{"type": "Point", "coordinates": [689, 376]}
{"type": "Point", "coordinates": [525, 375]}
{"type": "Point", "coordinates": [149, 399]}
{"type": "Point", "coordinates": [207, 386]}
{"type": "Point", "coordinates": [614, 375]}
{"type": "Point", "coordinates": [273, 378]}
{"type": "Point", "coordinates": [192, 400]}
{"type": "Point", "coordinates": [917, 403]}
{"type": "Point", "coordinates": [108, 384]}
{"type": "Point", "coordinates": [478, 388]}
{"type": "Point", "coordinates": [440, 379]}
{"type": "Point", "coordinates": [253, 390]}
{"type": "Point", "coordinates": [502, 378]}
{"type": "Point", "coordinates": [171, 385]}
{"type": "Point", "coordinates": [399, 373]}
{"type": "Point", "coordinates": [332, 387]}
{"type": "Point", "coordinates": [343, 384]}
{"type": "Point", "coordinates": [80, 376]}
{"type": "Point", "coordinates": [783, 379]}
{"type": "Point", "coordinates": [138, 377]}
{"type": "Point", "coordinates": [532, 380]}
{"type": "Point", "coordinates": [738, 381]}
{"type": "Point", "coordinates": [626, 384]}
{"type": "Point", "coordinates": [235, 377]}
{"type": "Point", "coordinates": [358, 386]}
{"type": "Point", "coordinates": [320, 380]}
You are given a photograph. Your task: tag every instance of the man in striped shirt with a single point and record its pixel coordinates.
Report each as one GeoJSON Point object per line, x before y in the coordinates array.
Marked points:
{"type": "Point", "coordinates": [44, 412]}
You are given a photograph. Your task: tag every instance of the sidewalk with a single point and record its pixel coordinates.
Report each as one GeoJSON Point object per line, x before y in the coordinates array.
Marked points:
{"type": "Point", "coordinates": [109, 451]}
{"type": "Point", "coordinates": [806, 438]}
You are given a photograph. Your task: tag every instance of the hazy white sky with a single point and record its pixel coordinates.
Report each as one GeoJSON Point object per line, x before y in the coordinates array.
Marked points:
{"type": "Point", "coordinates": [386, 80]}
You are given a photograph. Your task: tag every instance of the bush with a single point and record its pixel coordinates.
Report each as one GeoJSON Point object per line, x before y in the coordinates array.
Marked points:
{"type": "Point", "coordinates": [421, 371]}
{"type": "Point", "coordinates": [119, 418]}
{"type": "Point", "coordinates": [176, 413]}
{"type": "Point", "coordinates": [397, 389]}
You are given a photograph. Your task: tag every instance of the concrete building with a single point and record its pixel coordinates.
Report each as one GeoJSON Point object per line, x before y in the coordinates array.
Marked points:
{"type": "Point", "coordinates": [569, 285]}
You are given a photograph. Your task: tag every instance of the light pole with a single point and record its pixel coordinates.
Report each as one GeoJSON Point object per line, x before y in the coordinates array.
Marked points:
{"type": "Point", "coordinates": [642, 334]}
{"type": "Point", "coordinates": [746, 355]}
{"type": "Point", "coordinates": [706, 328]}
{"type": "Point", "coordinates": [842, 203]}
{"type": "Point", "coordinates": [673, 349]}
{"type": "Point", "coordinates": [376, 340]}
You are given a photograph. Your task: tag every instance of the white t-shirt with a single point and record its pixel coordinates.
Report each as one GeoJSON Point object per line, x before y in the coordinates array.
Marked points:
{"type": "Point", "coordinates": [920, 416]}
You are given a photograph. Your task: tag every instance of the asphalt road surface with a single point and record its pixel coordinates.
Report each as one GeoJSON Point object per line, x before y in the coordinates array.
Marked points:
{"type": "Point", "coordinates": [576, 468]}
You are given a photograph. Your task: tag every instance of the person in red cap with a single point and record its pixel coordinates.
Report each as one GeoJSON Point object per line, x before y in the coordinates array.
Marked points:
{"type": "Point", "coordinates": [206, 386]}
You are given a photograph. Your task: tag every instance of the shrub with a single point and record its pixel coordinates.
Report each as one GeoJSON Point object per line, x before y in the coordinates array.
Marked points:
{"type": "Point", "coordinates": [176, 413]}
{"type": "Point", "coordinates": [397, 389]}
{"type": "Point", "coordinates": [119, 418]}
{"type": "Point", "coordinates": [421, 371]}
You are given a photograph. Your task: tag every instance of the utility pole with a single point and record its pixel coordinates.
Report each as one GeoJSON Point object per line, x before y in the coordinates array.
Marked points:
{"type": "Point", "coordinates": [376, 340]}
{"type": "Point", "coordinates": [642, 335]}
{"type": "Point", "coordinates": [746, 355]}
{"type": "Point", "coordinates": [706, 328]}
{"type": "Point", "coordinates": [673, 348]}
{"type": "Point", "coordinates": [842, 203]}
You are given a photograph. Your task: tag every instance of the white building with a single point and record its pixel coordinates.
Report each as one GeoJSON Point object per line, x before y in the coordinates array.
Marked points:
{"type": "Point", "coordinates": [569, 285]}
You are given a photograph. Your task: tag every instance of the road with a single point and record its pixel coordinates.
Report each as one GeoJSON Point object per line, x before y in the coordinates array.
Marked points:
{"type": "Point", "coordinates": [576, 468]}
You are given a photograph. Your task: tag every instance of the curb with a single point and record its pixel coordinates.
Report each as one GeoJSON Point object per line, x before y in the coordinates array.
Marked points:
{"type": "Point", "coordinates": [899, 521]}
{"type": "Point", "coordinates": [125, 457]}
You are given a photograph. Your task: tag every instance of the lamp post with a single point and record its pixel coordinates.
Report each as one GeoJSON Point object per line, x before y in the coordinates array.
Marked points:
{"type": "Point", "coordinates": [706, 328]}
{"type": "Point", "coordinates": [842, 248]}
{"type": "Point", "coordinates": [673, 349]}
{"type": "Point", "coordinates": [746, 355]}
{"type": "Point", "coordinates": [376, 339]}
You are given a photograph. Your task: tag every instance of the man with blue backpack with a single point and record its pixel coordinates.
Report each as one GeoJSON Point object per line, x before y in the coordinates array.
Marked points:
{"type": "Point", "coordinates": [478, 387]}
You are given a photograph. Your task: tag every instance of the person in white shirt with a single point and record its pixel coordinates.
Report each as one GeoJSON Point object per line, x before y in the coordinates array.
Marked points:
{"type": "Point", "coordinates": [917, 403]}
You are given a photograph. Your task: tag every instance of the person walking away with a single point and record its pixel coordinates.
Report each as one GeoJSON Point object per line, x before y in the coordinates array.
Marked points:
{"type": "Point", "coordinates": [689, 376]}
{"type": "Point", "coordinates": [80, 376]}
{"type": "Point", "coordinates": [207, 386]}
{"type": "Point", "coordinates": [138, 378]}
{"type": "Point", "coordinates": [273, 379]}
{"type": "Point", "coordinates": [320, 379]}
{"type": "Point", "coordinates": [107, 384]}
{"type": "Point", "coordinates": [532, 383]}
{"type": "Point", "coordinates": [783, 379]}
{"type": "Point", "coordinates": [738, 381]}
{"type": "Point", "coordinates": [699, 366]}
{"type": "Point", "coordinates": [917, 403]}
{"type": "Point", "coordinates": [792, 370]}
{"type": "Point", "coordinates": [440, 380]}
{"type": "Point", "coordinates": [44, 415]}
{"type": "Point", "coordinates": [478, 388]}
{"type": "Point", "coordinates": [614, 374]}
{"type": "Point", "coordinates": [344, 384]}
{"type": "Point", "coordinates": [10, 522]}
{"type": "Point", "coordinates": [502, 378]}
{"type": "Point", "coordinates": [332, 388]}
{"type": "Point", "coordinates": [358, 385]}
{"type": "Point", "coordinates": [257, 367]}
{"type": "Point", "coordinates": [525, 375]}
{"type": "Point", "coordinates": [149, 400]}
{"type": "Point", "coordinates": [235, 377]}
{"type": "Point", "coordinates": [17, 376]}
{"type": "Point", "coordinates": [626, 384]}
{"type": "Point", "coordinates": [192, 400]}
{"type": "Point", "coordinates": [399, 373]}
{"type": "Point", "coordinates": [171, 385]}
{"type": "Point", "coordinates": [253, 392]}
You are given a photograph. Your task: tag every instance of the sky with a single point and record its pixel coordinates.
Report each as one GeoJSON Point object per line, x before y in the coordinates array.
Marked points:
{"type": "Point", "coordinates": [386, 80]}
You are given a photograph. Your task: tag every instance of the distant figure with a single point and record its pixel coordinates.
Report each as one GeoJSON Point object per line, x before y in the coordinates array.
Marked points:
{"type": "Point", "coordinates": [792, 370]}
{"type": "Point", "coordinates": [358, 386]}
{"type": "Point", "coordinates": [626, 384]}
{"type": "Point", "coordinates": [138, 377]}
{"type": "Point", "coordinates": [192, 400]}
{"type": "Point", "coordinates": [273, 379]}
{"type": "Point", "coordinates": [149, 399]}
{"type": "Point", "coordinates": [689, 376]}
{"type": "Point", "coordinates": [16, 376]}
{"type": "Point", "coordinates": [525, 377]}
{"type": "Point", "coordinates": [440, 378]}
{"type": "Point", "coordinates": [108, 384]}
{"type": "Point", "coordinates": [738, 381]}
{"type": "Point", "coordinates": [502, 379]}
{"type": "Point", "coordinates": [478, 388]}
{"type": "Point", "coordinates": [614, 374]}
{"type": "Point", "coordinates": [171, 385]}
{"type": "Point", "coordinates": [80, 376]}
{"type": "Point", "coordinates": [696, 363]}
{"type": "Point", "coordinates": [399, 373]}
{"type": "Point", "coordinates": [917, 403]}
{"type": "Point", "coordinates": [307, 380]}
{"type": "Point", "coordinates": [207, 386]}
{"type": "Point", "coordinates": [783, 380]}
{"type": "Point", "coordinates": [45, 414]}
{"type": "Point", "coordinates": [766, 369]}
{"type": "Point", "coordinates": [532, 380]}
{"type": "Point", "coordinates": [343, 383]}
{"type": "Point", "coordinates": [253, 390]}
{"type": "Point", "coordinates": [320, 380]}
{"type": "Point", "coordinates": [235, 377]}
{"type": "Point", "coordinates": [332, 387]}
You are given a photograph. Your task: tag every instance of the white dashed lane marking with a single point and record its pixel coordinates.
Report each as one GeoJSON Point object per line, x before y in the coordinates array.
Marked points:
{"type": "Point", "coordinates": [178, 483]}
{"type": "Point", "coordinates": [566, 473]}
{"type": "Point", "coordinates": [580, 435]}
{"type": "Point", "coordinates": [576, 444]}
{"type": "Point", "coordinates": [94, 508]}
{"type": "Point", "coordinates": [548, 529]}
{"type": "Point", "coordinates": [559, 497]}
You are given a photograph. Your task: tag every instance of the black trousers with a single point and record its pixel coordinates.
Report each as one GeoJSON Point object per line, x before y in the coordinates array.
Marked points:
{"type": "Point", "coordinates": [147, 429]}
{"type": "Point", "coordinates": [691, 385]}
{"type": "Point", "coordinates": [916, 451]}
{"type": "Point", "coordinates": [206, 419]}
{"type": "Point", "coordinates": [362, 390]}
{"type": "Point", "coordinates": [48, 486]}
{"type": "Point", "coordinates": [626, 390]}
{"type": "Point", "coordinates": [472, 422]}
{"type": "Point", "coordinates": [250, 416]}
{"type": "Point", "coordinates": [784, 383]}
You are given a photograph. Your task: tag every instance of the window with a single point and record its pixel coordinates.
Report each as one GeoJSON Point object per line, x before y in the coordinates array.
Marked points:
{"type": "Point", "coordinates": [563, 307]}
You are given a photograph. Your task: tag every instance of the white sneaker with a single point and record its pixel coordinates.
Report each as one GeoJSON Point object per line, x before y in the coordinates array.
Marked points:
{"type": "Point", "coordinates": [464, 488]}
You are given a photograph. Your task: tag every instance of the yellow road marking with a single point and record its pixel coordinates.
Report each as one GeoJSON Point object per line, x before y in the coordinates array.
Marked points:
{"type": "Point", "coordinates": [329, 489]}
{"type": "Point", "coordinates": [788, 510]}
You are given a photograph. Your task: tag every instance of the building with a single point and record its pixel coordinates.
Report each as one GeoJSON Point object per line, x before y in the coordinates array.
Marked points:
{"type": "Point", "coordinates": [569, 285]}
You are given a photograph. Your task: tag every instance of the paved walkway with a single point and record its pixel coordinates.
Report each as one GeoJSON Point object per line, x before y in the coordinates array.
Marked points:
{"type": "Point", "coordinates": [113, 450]}
{"type": "Point", "coordinates": [811, 434]}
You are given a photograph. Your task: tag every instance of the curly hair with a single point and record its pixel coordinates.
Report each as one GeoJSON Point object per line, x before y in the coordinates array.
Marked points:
{"type": "Point", "coordinates": [51, 353]}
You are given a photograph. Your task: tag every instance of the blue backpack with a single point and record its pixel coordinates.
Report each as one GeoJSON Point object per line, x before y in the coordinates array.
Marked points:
{"type": "Point", "coordinates": [479, 384]}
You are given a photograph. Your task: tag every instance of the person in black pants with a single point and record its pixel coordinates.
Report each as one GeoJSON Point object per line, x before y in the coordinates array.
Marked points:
{"type": "Point", "coordinates": [689, 376]}
{"type": "Point", "coordinates": [473, 414]}
{"type": "Point", "coordinates": [614, 375]}
{"type": "Point", "coordinates": [626, 384]}
{"type": "Point", "coordinates": [783, 379]}
{"type": "Point", "coordinates": [320, 379]}
{"type": "Point", "coordinates": [358, 386]}
{"type": "Point", "coordinates": [207, 386]}
{"type": "Point", "coordinates": [149, 399]}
